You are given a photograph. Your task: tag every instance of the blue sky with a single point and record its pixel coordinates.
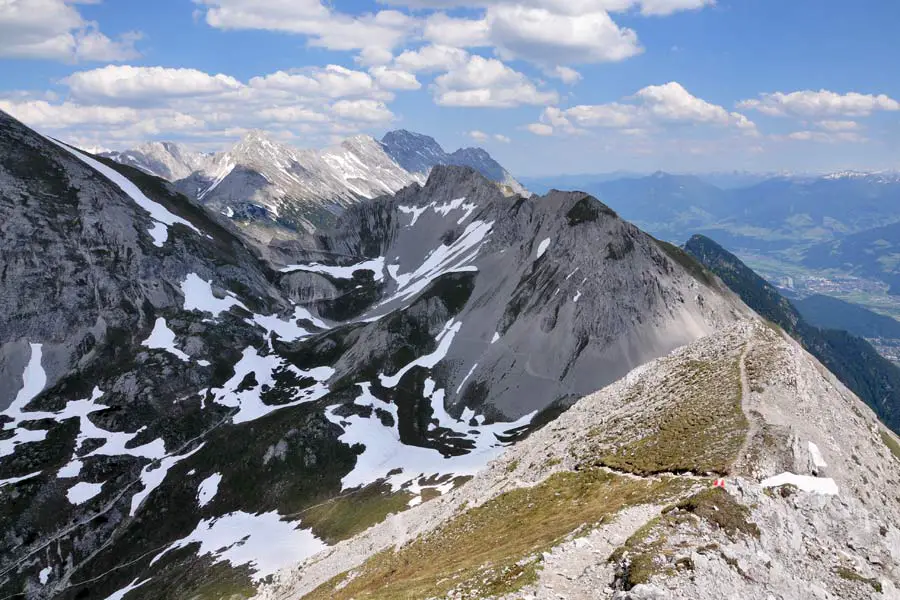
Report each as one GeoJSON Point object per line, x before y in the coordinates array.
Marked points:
{"type": "Point", "coordinates": [547, 86]}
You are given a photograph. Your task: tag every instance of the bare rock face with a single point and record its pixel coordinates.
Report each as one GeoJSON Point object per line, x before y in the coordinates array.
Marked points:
{"type": "Point", "coordinates": [177, 411]}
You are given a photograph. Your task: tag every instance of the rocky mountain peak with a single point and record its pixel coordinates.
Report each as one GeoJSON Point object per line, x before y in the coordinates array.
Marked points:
{"type": "Point", "coordinates": [419, 153]}
{"type": "Point", "coordinates": [415, 152]}
{"type": "Point", "coordinates": [257, 146]}
{"type": "Point", "coordinates": [455, 176]}
{"type": "Point", "coordinates": [404, 137]}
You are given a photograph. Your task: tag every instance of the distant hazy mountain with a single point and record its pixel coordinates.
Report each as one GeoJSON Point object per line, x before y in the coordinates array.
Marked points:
{"type": "Point", "coordinates": [728, 180]}
{"type": "Point", "coordinates": [852, 359]}
{"type": "Point", "coordinates": [774, 214]}
{"type": "Point", "coordinates": [818, 208]}
{"type": "Point", "coordinates": [664, 204]}
{"type": "Point", "coordinates": [725, 180]}
{"type": "Point", "coordinates": [542, 185]}
{"type": "Point", "coordinates": [418, 153]}
{"type": "Point", "coordinates": [168, 160]}
{"type": "Point", "coordinates": [833, 313]}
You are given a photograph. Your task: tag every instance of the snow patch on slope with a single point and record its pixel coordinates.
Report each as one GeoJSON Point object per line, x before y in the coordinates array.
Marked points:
{"type": "Point", "coordinates": [264, 542]}
{"type": "Point", "coordinates": [114, 442]}
{"type": "Point", "coordinates": [82, 492]}
{"type": "Point", "coordinates": [208, 489]}
{"type": "Point", "coordinates": [198, 295]}
{"type": "Point", "coordinates": [249, 402]}
{"type": "Point", "coordinates": [807, 483]}
{"type": "Point", "coordinates": [440, 209]}
{"type": "Point", "coordinates": [163, 338]}
{"type": "Point", "coordinates": [33, 381]}
{"type": "Point", "coordinates": [15, 480]}
{"type": "Point", "coordinates": [816, 456]}
{"type": "Point", "coordinates": [444, 339]}
{"type": "Point", "coordinates": [120, 594]}
{"type": "Point", "coordinates": [71, 470]}
{"type": "Point", "coordinates": [154, 474]}
{"type": "Point", "coordinates": [375, 265]}
{"type": "Point", "coordinates": [444, 259]}
{"type": "Point", "coordinates": [384, 452]}
{"type": "Point", "coordinates": [466, 378]}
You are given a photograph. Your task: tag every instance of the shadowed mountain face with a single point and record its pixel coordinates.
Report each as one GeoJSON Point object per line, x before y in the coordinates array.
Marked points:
{"type": "Point", "coordinates": [852, 359]}
{"type": "Point", "coordinates": [175, 412]}
{"type": "Point", "coordinates": [419, 153]}
{"type": "Point", "coordinates": [832, 313]}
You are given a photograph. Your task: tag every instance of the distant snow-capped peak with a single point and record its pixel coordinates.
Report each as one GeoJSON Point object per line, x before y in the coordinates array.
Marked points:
{"type": "Point", "coordinates": [874, 176]}
{"type": "Point", "coordinates": [260, 177]}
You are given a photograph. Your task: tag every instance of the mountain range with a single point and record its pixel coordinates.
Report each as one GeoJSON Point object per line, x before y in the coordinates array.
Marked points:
{"type": "Point", "coordinates": [164, 386]}
{"type": "Point", "coordinates": [275, 191]}
{"type": "Point", "coordinates": [452, 390]}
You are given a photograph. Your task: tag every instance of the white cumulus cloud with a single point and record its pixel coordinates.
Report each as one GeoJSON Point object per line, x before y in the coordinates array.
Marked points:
{"type": "Point", "coordinates": [823, 137]}
{"type": "Point", "coordinates": [448, 31]}
{"type": "Point", "coordinates": [126, 105]}
{"type": "Point", "coordinates": [541, 36]}
{"type": "Point", "coordinates": [565, 74]}
{"type": "Point", "coordinates": [124, 83]}
{"type": "Point", "coordinates": [821, 104]}
{"type": "Point", "coordinates": [838, 125]}
{"type": "Point", "coordinates": [432, 58]}
{"type": "Point", "coordinates": [315, 19]}
{"type": "Point", "coordinates": [395, 79]}
{"type": "Point", "coordinates": [645, 7]}
{"type": "Point", "coordinates": [331, 81]}
{"type": "Point", "coordinates": [55, 30]}
{"type": "Point", "coordinates": [541, 129]}
{"type": "Point", "coordinates": [487, 82]}
{"type": "Point", "coordinates": [653, 106]}
{"type": "Point", "coordinates": [369, 111]}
